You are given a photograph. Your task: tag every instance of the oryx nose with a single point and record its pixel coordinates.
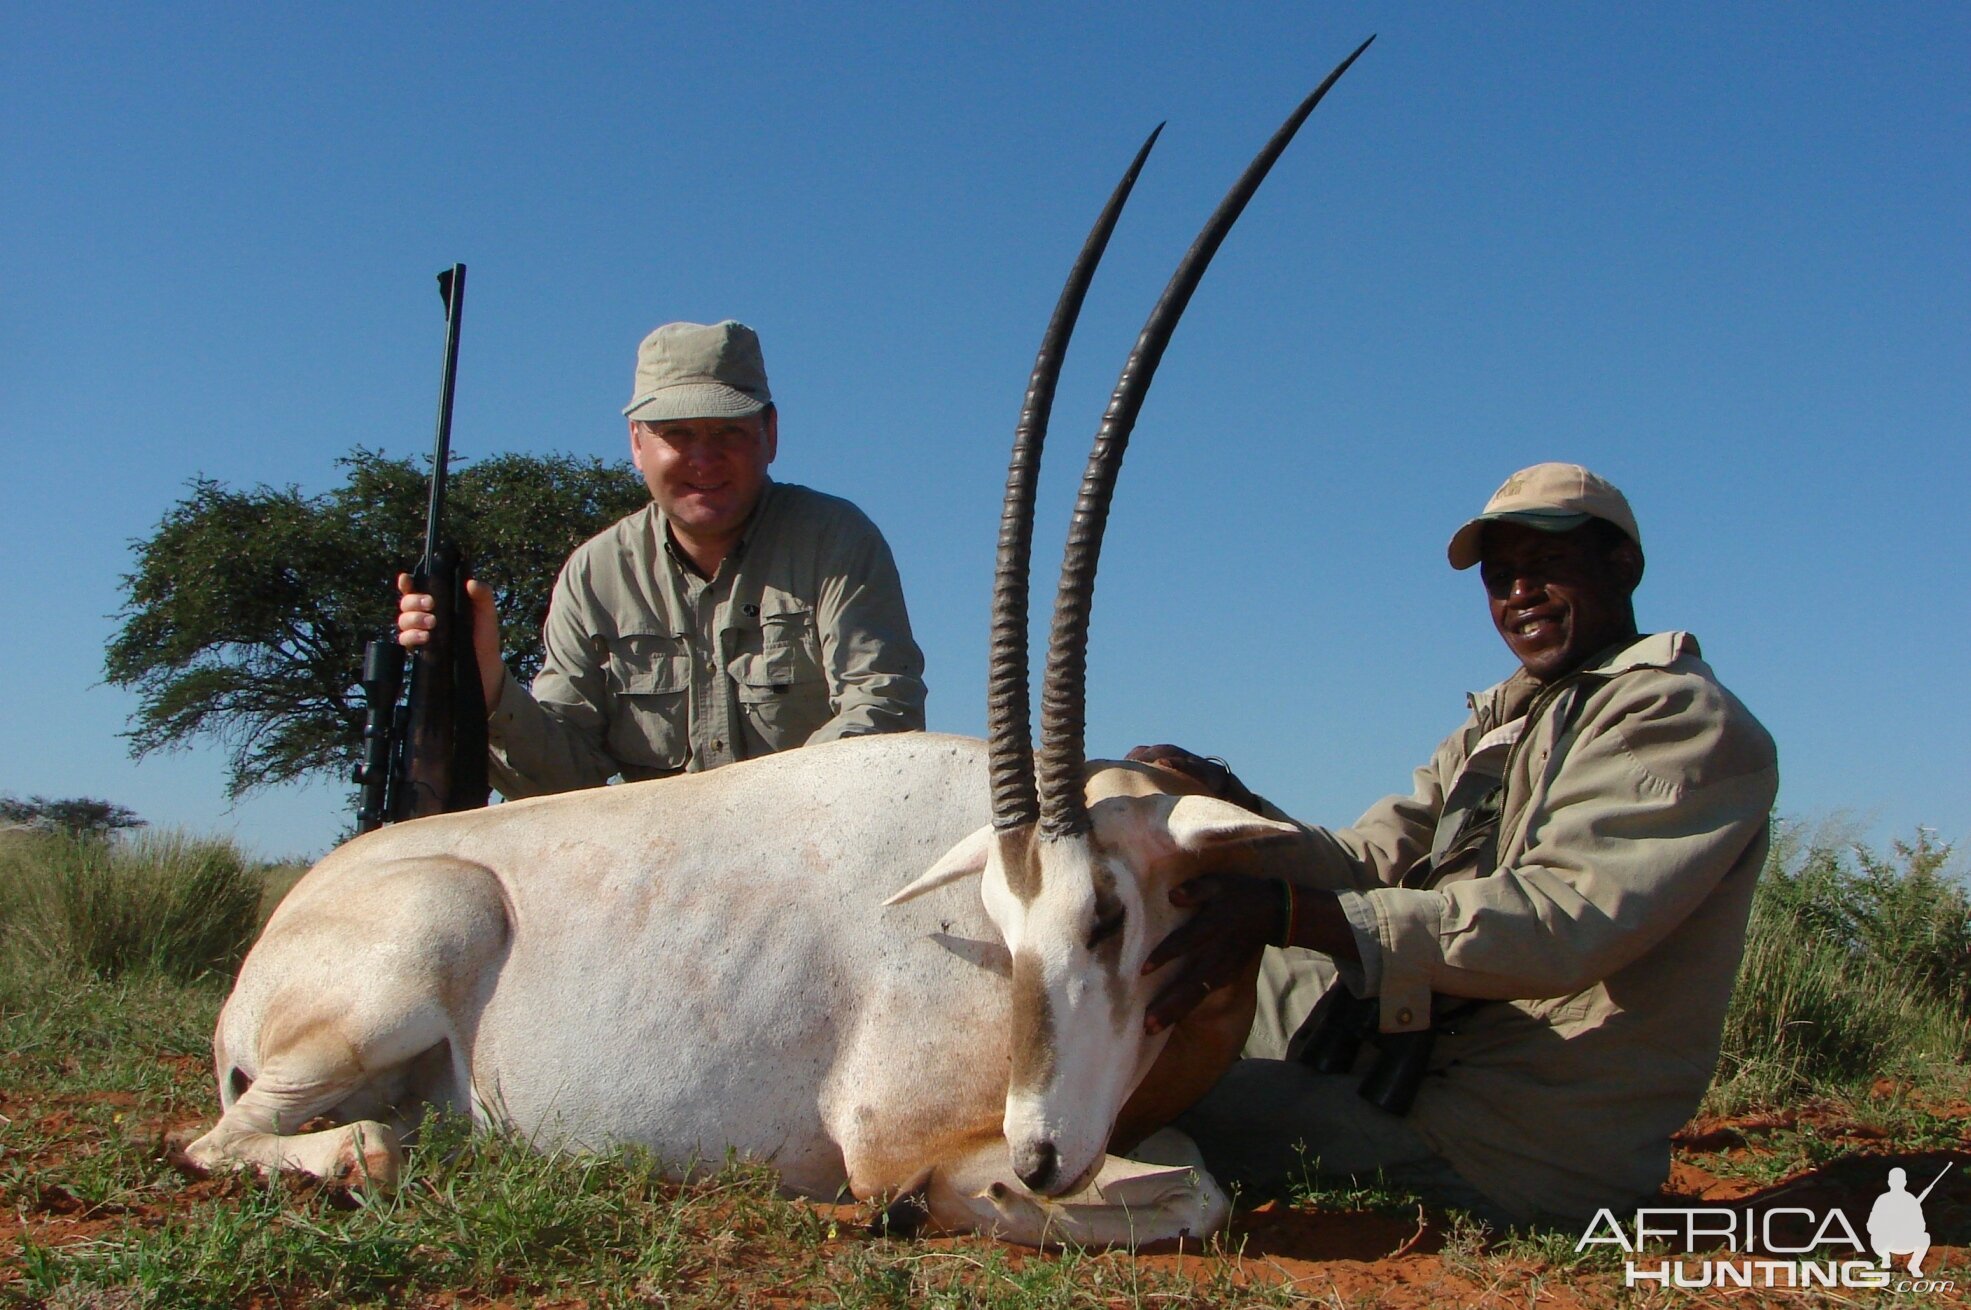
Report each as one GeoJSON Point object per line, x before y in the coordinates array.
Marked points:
{"type": "Point", "coordinates": [1036, 1165]}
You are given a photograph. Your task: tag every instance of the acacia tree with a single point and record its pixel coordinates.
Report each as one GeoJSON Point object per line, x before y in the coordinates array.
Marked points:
{"type": "Point", "coordinates": [81, 816]}
{"type": "Point", "coordinates": [246, 616]}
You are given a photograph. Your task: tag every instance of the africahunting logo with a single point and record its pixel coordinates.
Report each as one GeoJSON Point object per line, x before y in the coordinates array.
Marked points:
{"type": "Point", "coordinates": [1759, 1249]}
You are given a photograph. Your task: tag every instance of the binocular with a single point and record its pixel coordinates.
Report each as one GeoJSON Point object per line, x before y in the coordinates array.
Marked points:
{"type": "Point", "coordinates": [1401, 1058]}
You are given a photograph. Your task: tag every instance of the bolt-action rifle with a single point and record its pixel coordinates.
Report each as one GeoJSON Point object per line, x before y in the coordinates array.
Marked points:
{"type": "Point", "coordinates": [427, 755]}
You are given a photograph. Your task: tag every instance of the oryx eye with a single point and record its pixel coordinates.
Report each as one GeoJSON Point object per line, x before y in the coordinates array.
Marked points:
{"type": "Point", "coordinates": [1105, 927]}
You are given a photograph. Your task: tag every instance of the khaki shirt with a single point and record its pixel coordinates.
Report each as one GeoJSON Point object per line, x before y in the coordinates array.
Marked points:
{"type": "Point", "coordinates": [652, 670]}
{"type": "Point", "coordinates": [1633, 824]}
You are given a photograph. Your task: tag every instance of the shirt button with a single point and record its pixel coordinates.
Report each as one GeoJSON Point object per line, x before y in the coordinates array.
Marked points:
{"type": "Point", "coordinates": [1403, 1015]}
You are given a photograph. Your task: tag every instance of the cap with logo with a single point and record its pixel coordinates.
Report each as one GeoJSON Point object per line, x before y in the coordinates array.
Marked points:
{"type": "Point", "coordinates": [1552, 497]}
{"type": "Point", "coordinates": [695, 370]}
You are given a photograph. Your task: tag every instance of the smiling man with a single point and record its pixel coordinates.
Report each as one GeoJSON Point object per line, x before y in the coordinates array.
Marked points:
{"type": "Point", "coordinates": [1537, 945]}
{"type": "Point", "coordinates": [733, 617]}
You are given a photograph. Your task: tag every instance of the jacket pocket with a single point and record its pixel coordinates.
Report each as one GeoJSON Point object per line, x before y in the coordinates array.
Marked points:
{"type": "Point", "coordinates": [649, 711]}
{"type": "Point", "coordinates": [780, 685]}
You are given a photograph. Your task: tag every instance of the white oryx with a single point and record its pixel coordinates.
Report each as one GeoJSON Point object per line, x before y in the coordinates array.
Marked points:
{"type": "Point", "coordinates": [723, 961]}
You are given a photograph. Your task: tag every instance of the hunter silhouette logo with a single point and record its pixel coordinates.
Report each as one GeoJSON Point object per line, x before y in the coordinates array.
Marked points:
{"type": "Point", "coordinates": [1895, 1224]}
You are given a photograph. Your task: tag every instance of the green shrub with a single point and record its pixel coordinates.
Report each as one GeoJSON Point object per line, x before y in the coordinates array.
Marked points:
{"type": "Point", "coordinates": [163, 902]}
{"type": "Point", "coordinates": [1856, 966]}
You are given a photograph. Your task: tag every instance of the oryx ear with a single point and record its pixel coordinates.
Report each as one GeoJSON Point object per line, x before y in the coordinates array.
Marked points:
{"type": "Point", "coordinates": [1200, 823]}
{"type": "Point", "coordinates": [964, 860]}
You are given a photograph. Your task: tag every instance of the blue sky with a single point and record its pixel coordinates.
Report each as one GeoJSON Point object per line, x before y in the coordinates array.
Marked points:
{"type": "Point", "coordinates": [1716, 252]}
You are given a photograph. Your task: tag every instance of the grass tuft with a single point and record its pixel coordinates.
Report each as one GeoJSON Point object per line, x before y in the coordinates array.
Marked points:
{"type": "Point", "coordinates": [161, 903]}
{"type": "Point", "coordinates": [1857, 966]}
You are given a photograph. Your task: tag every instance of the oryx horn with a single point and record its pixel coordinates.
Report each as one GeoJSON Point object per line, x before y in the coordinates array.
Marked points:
{"type": "Point", "coordinates": [1063, 701]}
{"type": "Point", "coordinates": [1015, 800]}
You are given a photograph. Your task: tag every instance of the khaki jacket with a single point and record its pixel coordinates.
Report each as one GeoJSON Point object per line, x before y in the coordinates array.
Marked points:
{"type": "Point", "coordinates": [652, 670]}
{"type": "Point", "coordinates": [1633, 824]}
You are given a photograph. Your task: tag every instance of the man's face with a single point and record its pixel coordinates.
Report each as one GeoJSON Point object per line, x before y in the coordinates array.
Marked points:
{"type": "Point", "coordinates": [1558, 597]}
{"type": "Point", "coordinates": [705, 473]}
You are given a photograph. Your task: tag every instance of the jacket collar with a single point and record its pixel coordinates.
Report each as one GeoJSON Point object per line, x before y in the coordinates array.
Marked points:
{"type": "Point", "coordinates": [1504, 701]}
{"type": "Point", "coordinates": [1655, 650]}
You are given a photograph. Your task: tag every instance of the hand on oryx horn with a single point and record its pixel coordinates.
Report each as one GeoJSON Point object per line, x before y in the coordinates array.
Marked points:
{"type": "Point", "coordinates": [1232, 918]}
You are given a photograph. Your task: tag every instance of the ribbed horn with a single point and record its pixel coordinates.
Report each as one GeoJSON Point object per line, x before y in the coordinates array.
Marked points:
{"type": "Point", "coordinates": [1014, 798]}
{"type": "Point", "coordinates": [1063, 702]}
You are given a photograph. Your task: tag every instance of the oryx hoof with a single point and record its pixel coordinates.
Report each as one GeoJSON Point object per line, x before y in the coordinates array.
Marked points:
{"type": "Point", "coordinates": [371, 1160]}
{"type": "Point", "coordinates": [206, 1156]}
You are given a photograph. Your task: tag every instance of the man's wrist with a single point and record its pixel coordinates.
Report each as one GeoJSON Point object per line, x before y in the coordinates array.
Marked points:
{"type": "Point", "coordinates": [1320, 925]}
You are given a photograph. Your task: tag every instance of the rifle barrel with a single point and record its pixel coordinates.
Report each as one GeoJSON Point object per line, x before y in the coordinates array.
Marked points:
{"type": "Point", "coordinates": [451, 285]}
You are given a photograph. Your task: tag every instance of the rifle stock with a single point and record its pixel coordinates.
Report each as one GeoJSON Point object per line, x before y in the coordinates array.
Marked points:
{"type": "Point", "coordinates": [428, 755]}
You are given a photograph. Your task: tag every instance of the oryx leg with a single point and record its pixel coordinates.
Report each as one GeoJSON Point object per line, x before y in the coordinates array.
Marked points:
{"type": "Point", "coordinates": [1162, 1193]}
{"type": "Point", "coordinates": [353, 1012]}
{"type": "Point", "coordinates": [297, 1084]}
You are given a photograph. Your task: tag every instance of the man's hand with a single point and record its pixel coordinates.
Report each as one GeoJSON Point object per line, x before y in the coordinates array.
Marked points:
{"type": "Point", "coordinates": [415, 620]}
{"type": "Point", "coordinates": [1215, 776]}
{"type": "Point", "coordinates": [1232, 918]}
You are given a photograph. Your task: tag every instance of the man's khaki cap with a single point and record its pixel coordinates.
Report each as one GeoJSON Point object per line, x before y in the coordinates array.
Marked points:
{"type": "Point", "coordinates": [691, 370]}
{"type": "Point", "coordinates": [1551, 497]}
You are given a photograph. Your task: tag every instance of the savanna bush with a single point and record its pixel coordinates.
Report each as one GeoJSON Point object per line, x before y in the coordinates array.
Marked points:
{"type": "Point", "coordinates": [1857, 965]}
{"type": "Point", "coordinates": [161, 902]}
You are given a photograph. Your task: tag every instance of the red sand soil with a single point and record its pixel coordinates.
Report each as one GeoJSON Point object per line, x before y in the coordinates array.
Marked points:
{"type": "Point", "coordinates": [1332, 1258]}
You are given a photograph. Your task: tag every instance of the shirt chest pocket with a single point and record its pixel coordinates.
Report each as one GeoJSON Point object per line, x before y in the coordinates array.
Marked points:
{"type": "Point", "coordinates": [649, 678]}
{"type": "Point", "coordinates": [777, 677]}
